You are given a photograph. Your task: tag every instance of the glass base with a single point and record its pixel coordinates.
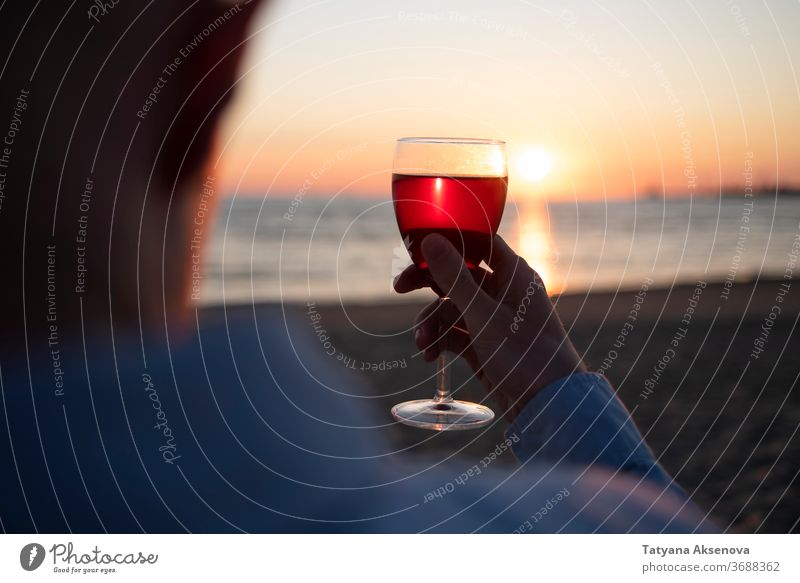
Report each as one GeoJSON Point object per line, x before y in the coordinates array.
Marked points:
{"type": "Point", "coordinates": [442, 415]}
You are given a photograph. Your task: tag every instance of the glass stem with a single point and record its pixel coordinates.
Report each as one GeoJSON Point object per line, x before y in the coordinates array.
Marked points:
{"type": "Point", "coordinates": [442, 379]}
{"type": "Point", "coordinates": [443, 371]}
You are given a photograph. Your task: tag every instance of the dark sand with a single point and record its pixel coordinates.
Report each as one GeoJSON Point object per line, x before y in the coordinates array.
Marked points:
{"type": "Point", "coordinates": [723, 423]}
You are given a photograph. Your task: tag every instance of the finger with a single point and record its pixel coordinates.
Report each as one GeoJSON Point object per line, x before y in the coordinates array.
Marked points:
{"type": "Point", "coordinates": [426, 326]}
{"type": "Point", "coordinates": [434, 320]}
{"type": "Point", "coordinates": [503, 260]}
{"type": "Point", "coordinates": [512, 275]}
{"type": "Point", "coordinates": [449, 271]}
{"type": "Point", "coordinates": [456, 343]}
{"type": "Point", "coordinates": [411, 278]}
{"type": "Point", "coordinates": [507, 265]}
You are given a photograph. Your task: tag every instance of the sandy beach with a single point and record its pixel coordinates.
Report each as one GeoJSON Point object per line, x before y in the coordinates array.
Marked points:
{"type": "Point", "coordinates": [707, 370]}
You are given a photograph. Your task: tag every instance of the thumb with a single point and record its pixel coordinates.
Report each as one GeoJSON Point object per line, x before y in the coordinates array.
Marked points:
{"type": "Point", "coordinates": [451, 274]}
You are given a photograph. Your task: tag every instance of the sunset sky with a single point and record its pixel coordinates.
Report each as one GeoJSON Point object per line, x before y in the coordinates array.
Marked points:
{"type": "Point", "coordinates": [602, 99]}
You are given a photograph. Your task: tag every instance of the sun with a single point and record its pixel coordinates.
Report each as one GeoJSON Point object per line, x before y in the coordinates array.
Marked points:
{"type": "Point", "coordinates": [534, 164]}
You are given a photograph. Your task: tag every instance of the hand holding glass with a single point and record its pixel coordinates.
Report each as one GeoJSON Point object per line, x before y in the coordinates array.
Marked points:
{"type": "Point", "coordinates": [455, 187]}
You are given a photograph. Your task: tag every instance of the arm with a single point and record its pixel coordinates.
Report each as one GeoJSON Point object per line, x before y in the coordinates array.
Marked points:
{"type": "Point", "coordinates": [519, 349]}
{"type": "Point", "coordinates": [579, 419]}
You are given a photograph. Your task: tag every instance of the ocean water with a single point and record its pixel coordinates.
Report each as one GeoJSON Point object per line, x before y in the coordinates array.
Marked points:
{"type": "Point", "coordinates": [349, 249]}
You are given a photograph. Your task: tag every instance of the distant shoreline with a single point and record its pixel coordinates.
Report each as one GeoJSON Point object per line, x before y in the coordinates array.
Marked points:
{"type": "Point", "coordinates": [762, 191]}
{"type": "Point", "coordinates": [556, 197]}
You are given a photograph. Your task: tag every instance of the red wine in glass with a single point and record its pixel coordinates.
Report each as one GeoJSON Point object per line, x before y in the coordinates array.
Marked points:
{"type": "Point", "coordinates": [455, 187]}
{"type": "Point", "coordinates": [464, 209]}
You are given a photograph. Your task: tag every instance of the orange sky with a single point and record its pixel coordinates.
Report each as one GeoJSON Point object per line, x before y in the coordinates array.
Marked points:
{"type": "Point", "coordinates": [621, 100]}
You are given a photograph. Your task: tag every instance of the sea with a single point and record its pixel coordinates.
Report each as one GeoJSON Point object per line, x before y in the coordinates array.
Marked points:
{"type": "Point", "coordinates": [346, 249]}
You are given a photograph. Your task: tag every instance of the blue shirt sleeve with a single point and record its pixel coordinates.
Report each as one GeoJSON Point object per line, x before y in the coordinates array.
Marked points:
{"type": "Point", "coordinates": [580, 420]}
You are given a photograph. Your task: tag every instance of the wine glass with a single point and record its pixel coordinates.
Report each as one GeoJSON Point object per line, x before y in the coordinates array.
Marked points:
{"type": "Point", "coordinates": [455, 187]}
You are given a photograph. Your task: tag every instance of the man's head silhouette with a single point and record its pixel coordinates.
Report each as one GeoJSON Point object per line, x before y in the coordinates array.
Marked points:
{"type": "Point", "coordinates": [109, 153]}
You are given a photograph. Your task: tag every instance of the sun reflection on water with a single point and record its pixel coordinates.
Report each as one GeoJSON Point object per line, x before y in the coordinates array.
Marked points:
{"type": "Point", "coordinates": [535, 246]}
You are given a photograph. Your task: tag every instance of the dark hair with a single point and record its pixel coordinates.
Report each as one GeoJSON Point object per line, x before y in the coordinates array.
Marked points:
{"type": "Point", "coordinates": [112, 113]}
